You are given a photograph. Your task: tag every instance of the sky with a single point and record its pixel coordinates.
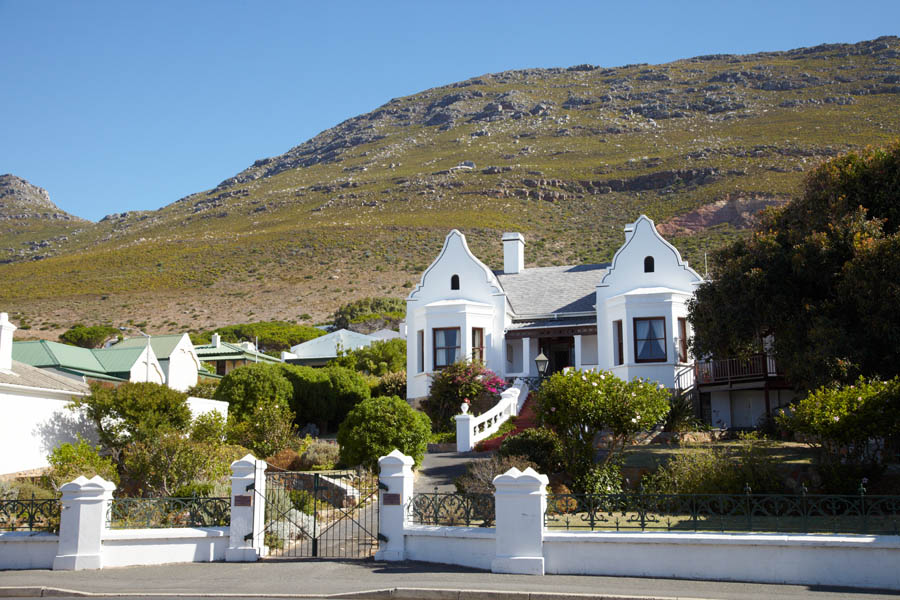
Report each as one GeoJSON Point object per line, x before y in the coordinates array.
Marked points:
{"type": "Point", "coordinates": [117, 106]}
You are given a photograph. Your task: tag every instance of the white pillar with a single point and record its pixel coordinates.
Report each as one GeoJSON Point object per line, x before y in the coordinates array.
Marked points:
{"type": "Point", "coordinates": [396, 473]}
{"type": "Point", "coordinates": [520, 499]}
{"type": "Point", "coordinates": [577, 352]}
{"type": "Point", "coordinates": [464, 432]}
{"type": "Point", "coordinates": [6, 342]}
{"type": "Point", "coordinates": [85, 503]}
{"type": "Point", "coordinates": [526, 356]}
{"type": "Point", "coordinates": [248, 506]}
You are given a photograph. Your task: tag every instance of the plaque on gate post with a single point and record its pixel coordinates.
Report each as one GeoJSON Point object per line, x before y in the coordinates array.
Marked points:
{"type": "Point", "coordinates": [243, 500]}
{"type": "Point", "coordinates": [391, 499]}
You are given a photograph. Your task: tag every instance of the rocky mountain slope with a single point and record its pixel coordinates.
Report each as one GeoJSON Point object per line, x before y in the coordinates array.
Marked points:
{"type": "Point", "coordinates": [567, 156]}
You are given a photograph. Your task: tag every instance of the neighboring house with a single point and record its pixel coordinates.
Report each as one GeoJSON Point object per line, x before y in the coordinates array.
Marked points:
{"type": "Point", "coordinates": [176, 355]}
{"type": "Point", "coordinates": [115, 365]}
{"type": "Point", "coordinates": [386, 334]}
{"type": "Point", "coordinates": [319, 351]}
{"type": "Point", "coordinates": [226, 357]}
{"type": "Point", "coordinates": [628, 316]}
{"type": "Point", "coordinates": [35, 418]}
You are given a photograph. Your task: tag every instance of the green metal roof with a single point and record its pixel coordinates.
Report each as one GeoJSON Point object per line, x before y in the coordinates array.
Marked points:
{"type": "Point", "coordinates": [118, 360]}
{"type": "Point", "coordinates": [42, 353]}
{"type": "Point", "coordinates": [229, 351]}
{"type": "Point", "coordinates": [163, 345]}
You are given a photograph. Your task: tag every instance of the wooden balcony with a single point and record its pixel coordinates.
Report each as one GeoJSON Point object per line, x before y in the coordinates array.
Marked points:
{"type": "Point", "coordinates": [757, 367]}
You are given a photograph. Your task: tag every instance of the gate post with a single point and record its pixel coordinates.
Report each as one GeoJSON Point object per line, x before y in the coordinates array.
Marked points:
{"type": "Point", "coordinates": [520, 500]}
{"type": "Point", "coordinates": [248, 505]}
{"type": "Point", "coordinates": [85, 503]}
{"type": "Point", "coordinates": [397, 477]}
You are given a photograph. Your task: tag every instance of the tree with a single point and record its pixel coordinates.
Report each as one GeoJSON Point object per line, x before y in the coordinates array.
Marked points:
{"type": "Point", "coordinates": [818, 275]}
{"type": "Point", "coordinates": [133, 412]}
{"type": "Point", "coordinates": [325, 395]}
{"type": "Point", "coordinates": [69, 461]}
{"type": "Point", "coordinates": [89, 337]}
{"type": "Point", "coordinates": [250, 385]}
{"type": "Point", "coordinates": [579, 405]}
{"type": "Point", "coordinates": [378, 358]}
{"type": "Point", "coordinates": [377, 426]}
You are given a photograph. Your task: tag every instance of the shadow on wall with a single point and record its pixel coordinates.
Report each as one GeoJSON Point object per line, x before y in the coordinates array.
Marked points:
{"type": "Point", "coordinates": [65, 426]}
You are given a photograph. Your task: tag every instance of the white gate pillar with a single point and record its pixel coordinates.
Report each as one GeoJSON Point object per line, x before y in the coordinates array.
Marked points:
{"type": "Point", "coordinates": [520, 500]}
{"type": "Point", "coordinates": [248, 506]}
{"type": "Point", "coordinates": [395, 473]}
{"type": "Point", "coordinates": [85, 503]}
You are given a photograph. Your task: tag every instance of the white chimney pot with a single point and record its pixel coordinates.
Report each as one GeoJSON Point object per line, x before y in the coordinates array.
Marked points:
{"type": "Point", "coordinates": [6, 342]}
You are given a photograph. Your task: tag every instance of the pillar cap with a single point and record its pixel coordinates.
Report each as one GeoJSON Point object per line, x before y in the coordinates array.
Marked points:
{"type": "Point", "coordinates": [396, 458]}
{"type": "Point", "coordinates": [527, 478]}
{"type": "Point", "coordinates": [83, 484]}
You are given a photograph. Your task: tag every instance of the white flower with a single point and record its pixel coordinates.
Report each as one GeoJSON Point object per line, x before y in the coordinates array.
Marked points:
{"type": "Point", "coordinates": [634, 420]}
{"type": "Point", "coordinates": [837, 418]}
{"type": "Point", "coordinates": [583, 378]}
{"type": "Point", "coordinates": [633, 394]}
{"type": "Point", "coordinates": [594, 383]}
{"type": "Point", "coordinates": [603, 377]}
{"type": "Point", "coordinates": [661, 386]}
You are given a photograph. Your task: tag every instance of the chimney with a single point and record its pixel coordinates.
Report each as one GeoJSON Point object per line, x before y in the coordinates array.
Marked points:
{"type": "Point", "coordinates": [216, 340]}
{"type": "Point", "coordinates": [513, 253]}
{"type": "Point", "coordinates": [6, 342]}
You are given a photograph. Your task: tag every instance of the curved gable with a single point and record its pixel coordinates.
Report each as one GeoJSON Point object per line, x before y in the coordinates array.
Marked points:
{"type": "Point", "coordinates": [476, 281]}
{"type": "Point", "coordinates": [646, 259]}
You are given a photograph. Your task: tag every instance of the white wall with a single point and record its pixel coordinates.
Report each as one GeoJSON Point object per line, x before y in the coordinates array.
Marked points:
{"type": "Point", "coordinates": [199, 406]}
{"type": "Point", "coordinates": [126, 547]}
{"type": "Point", "coordinates": [857, 561]}
{"type": "Point", "coordinates": [467, 546]}
{"type": "Point", "coordinates": [27, 550]}
{"type": "Point", "coordinates": [141, 371]}
{"type": "Point", "coordinates": [36, 421]}
{"type": "Point", "coordinates": [182, 366]}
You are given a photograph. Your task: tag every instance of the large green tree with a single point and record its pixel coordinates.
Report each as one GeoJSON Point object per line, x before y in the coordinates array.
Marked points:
{"type": "Point", "coordinates": [821, 275]}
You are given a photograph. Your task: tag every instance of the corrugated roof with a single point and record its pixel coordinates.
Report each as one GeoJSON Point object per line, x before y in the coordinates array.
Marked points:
{"type": "Point", "coordinates": [118, 360]}
{"type": "Point", "coordinates": [326, 346]}
{"type": "Point", "coordinates": [546, 290]}
{"type": "Point", "coordinates": [163, 345]}
{"type": "Point", "coordinates": [27, 375]}
{"type": "Point", "coordinates": [386, 334]}
{"type": "Point", "coordinates": [229, 351]}
{"type": "Point", "coordinates": [42, 353]}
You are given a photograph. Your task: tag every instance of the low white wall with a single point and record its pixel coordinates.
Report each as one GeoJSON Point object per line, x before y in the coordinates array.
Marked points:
{"type": "Point", "coordinates": [199, 406]}
{"type": "Point", "coordinates": [467, 546]}
{"type": "Point", "coordinates": [857, 561]}
{"type": "Point", "coordinates": [27, 550]}
{"type": "Point", "coordinates": [126, 547]}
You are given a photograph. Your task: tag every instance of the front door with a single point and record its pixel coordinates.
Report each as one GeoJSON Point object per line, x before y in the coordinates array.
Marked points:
{"type": "Point", "coordinates": [560, 351]}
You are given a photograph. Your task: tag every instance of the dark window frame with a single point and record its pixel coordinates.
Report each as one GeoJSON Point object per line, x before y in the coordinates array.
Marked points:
{"type": "Point", "coordinates": [665, 357]}
{"type": "Point", "coordinates": [480, 349]}
{"type": "Point", "coordinates": [454, 282]}
{"type": "Point", "coordinates": [618, 343]}
{"type": "Point", "coordinates": [420, 351]}
{"type": "Point", "coordinates": [649, 264]}
{"type": "Point", "coordinates": [436, 348]}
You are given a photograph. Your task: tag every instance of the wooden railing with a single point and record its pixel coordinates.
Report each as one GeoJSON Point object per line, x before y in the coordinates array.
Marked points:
{"type": "Point", "coordinates": [727, 370]}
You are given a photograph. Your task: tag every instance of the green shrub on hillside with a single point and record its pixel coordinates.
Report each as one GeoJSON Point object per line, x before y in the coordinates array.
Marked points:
{"type": "Point", "coordinates": [370, 314]}
{"type": "Point", "coordinates": [89, 337]}
{"type": "Point", "coordinates": [273, 336]}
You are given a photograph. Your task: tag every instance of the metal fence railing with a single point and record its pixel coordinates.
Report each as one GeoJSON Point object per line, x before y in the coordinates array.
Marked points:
{"type": "Point", "coordinates": [141, 513]}
{"type": "Point", "coordinates": [452, 509]}
{"type": "Point", "coordinates": [776, 513]}
{"type": "Point", "coordinates": [29, 515]}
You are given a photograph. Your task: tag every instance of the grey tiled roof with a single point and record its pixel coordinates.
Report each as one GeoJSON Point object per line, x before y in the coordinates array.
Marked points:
{"type": "Point", "coordinates": [29, 376]}
{"type": "Point", "coordinates": [546, 323]}
{"type": "Point", "coordinates": [545, 290]}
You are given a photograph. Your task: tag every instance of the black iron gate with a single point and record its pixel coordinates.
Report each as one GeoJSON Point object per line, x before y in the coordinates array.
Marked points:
{"type": "Point", "coordinates": [327, 514]}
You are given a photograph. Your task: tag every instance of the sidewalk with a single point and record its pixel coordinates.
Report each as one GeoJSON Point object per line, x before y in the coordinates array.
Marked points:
{"type": "Point", "coordinates": [403, 581]}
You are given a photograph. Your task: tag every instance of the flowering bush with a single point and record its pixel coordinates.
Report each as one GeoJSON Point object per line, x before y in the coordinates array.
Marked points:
{"type": "Point", "coordinates": [456, 383]}
{"type": "Point", "coordinates": [579, 405]}
{"type": "Point", "coordinates": [848, 425]}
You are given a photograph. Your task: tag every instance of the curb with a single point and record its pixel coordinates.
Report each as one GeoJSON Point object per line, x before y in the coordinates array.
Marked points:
{"type": "Point", "coordinates": [386, 594]}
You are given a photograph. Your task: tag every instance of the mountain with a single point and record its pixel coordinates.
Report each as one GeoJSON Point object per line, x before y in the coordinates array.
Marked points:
{"type": "Point", "coordinates": [566, 156]}
{"type": "Point", "coordinates": [31, 225]}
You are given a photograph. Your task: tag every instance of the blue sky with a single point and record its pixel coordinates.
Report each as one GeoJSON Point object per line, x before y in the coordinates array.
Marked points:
{"type": "Point", "coordinates": [115, 106]}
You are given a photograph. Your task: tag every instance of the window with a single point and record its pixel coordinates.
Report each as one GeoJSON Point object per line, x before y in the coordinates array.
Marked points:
{"type": "Point", "coordinates": [650, 339]}
{"type": "Point", "coordinates": [509, 353]}
{"type": "Point", "coordinates": [648, 264]}
{"type": "Point", "coordinates": [454, 282]}
{"type": "Point", "coordinates": [478, 344]}
{"type": "Point", "coordinates": [682, 340]}
{"type": "Point", "coordinates": [446, 347]}
{"type": "Point", "coordinates": [420, 349]}
{"type": "Point", "coordinates": [618, 350]}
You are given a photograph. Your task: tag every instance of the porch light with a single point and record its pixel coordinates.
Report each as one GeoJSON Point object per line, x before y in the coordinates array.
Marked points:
{"type": "Point", "coordinates": [541, 362]}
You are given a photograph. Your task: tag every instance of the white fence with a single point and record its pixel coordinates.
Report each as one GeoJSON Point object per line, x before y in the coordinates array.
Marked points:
{"type": "Point", "coordinates": [520, 543]}
{"type": "Point", "coordinates": [471, 429]}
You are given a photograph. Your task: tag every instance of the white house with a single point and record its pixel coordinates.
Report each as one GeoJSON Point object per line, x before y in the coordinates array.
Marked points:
{"type": "Point", "coordinates": [33, 402]}
{"type": "Point", "coordinates": [177, 358]}
{"type": "Point", "coordinates": [628, 316]}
